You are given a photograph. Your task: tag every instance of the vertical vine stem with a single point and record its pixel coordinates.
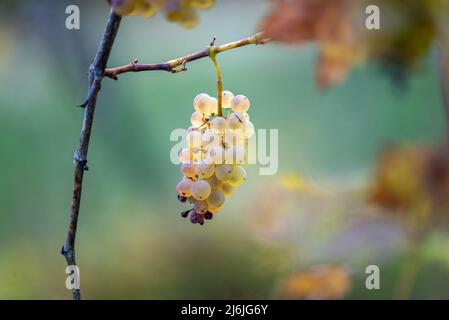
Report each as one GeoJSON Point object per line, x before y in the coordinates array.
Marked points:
{"type": "Point", "coordinates": [96, 73]}
{"type": "Point", "coordinates": [213, 57]}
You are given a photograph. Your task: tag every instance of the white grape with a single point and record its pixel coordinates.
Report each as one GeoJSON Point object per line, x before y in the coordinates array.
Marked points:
{"type": "Point", "coordinates": [215, 155]}
{"type": "Point", "coordinates": [223, 172]}
{"type": "Point", "coordinates": [210, 139]}
{"type": "Point", "coordinates": [213, 106]}
{"type": "Point", "coordinates": [215, 210]}
{"type": "Point", "coordinates": [204, 170]}
{"type": "Point", "coordinates": [240, 103]}
{"type": "Point", "coordinates": [187, 155]}
{"type": "Point", "coordinates": [245, 116]}
{"type": "Point", "coordinates": [200, 190]}
{"type": "Point", "coordinates": [226, 99]}
{"type": "Point", "coordinates": [248, 130]}
{"type": "Point", "coordinates": [233, 122]}
{"type": "Point", "coordinates": [214, 182]}
{"type": "Point", "coordinates": [227, 189]}
{"type": "Point", "coordinates": [200, 206]}
{"type": "Point", "coordinates": [184, 187]}
{"type": "Point", "coordinates": [238, 176]}
{"type": "Point", "coordinates": [218, 125]}
{"type": "Point", "coordinates": [202, 103]}
{"type": "Point", "coordinates": [193, 139]}
{"type": "Point", "coordinates": [196, 119]}
{"type": "Point", "coordinates": [216, 199]}
{"type": "Point", "coordinates": [234, 138]}
{"type": "Point", "coordinates": [235, 155]}
{"type": "Point", "coordinates": [188, 170]}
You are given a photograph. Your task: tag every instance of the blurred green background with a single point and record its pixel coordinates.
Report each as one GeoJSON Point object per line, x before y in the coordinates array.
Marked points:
{"type": "Point", "coordinates": [131, 241]}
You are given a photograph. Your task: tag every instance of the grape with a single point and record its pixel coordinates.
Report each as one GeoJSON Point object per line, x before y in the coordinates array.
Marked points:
{"type": "Point", "coordinates": [200, 190]}
{"type": "Point", "coordinates": [235, 155]}
{"type": "Point", "coordinates": [188, 170]}
{"type": "Point", "coordinates": [208, 215]}
{"type": "Point", "coordinates": [234, 138]}
{"type": "Point", "coordinates": [223, 172]}
{"type": "Point", "coordinates": [204, 170]}
{"type": "Point", "coordinates": [200, 207]}
{"type": "Point", "coordinates": [240, 103]}
{"type": "Point", "coordinates": [216, 199]}
{"type": "Point", "coordinates": [196, 218]}
{"type": "Point", "coordinates": [203, 103]}
{"type": "Point", "coordinates": [248, 130]}
{"type": "Point", "coordinates": [218, 125]}
{"type": "Point", "coordinates": [215, 210]}
{"type": "Point", "coordinates": [201, 4]}
{"type": "Point", "coordinates": [187, 155]}
{"type": "Point", "coordinates": [124, 7]}
{"type": "Point", "coordinates": [245, 116]}
{"type": "Point", "coordinates": [210, 139]}
{"type": "Point", "coordinates": [238, 176]}
{"type": "Point", "coordinates": [215, 155]}
{"type": "Point", "coordinates": [189, 19]}
{"type": "Point", "coordinates": [181, 198]}
{"type": "Point", "coordinates": [184, 187]}
{"type": "Point", "coordinates": [233, 122]}
{"type": "Point", "coordinates": [227, 189]}
{"type": "Point", "coordinates": [196, 119]}
{"type": "Point", "coordinates": [214, 182]}
{"type": "Point", "coordinates": [226, 99]}
{"type": "Point", "coordinates": [148, 8]}
{"type": "Point", "coordinates": [193, 139]}
{"type": "Point", "coordinates": [213, 106]}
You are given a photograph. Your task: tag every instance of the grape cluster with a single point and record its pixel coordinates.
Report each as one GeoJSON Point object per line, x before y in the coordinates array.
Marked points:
{"type": "Point", "coordinates": [211, 162]}
{"type": "Point", "coordinates": [182, 12]}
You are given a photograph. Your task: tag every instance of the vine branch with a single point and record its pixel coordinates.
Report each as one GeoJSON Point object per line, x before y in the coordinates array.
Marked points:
{"type": "Point", "coordinates": [172, 65]}
{"type": "Point", "coordinates": [96, 71]}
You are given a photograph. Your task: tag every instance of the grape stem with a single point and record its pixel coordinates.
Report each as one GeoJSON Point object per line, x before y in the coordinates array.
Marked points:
{"type": "Point", "coordinates": [172, 65]}
{"type": "Point", "coordinates": [213, 57]}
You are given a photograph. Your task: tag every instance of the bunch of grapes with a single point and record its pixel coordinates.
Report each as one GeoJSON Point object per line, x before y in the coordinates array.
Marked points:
{"type": "Point", "coordinates": [211, 163]}
{"type": "Point", "coordinates": [182, 12]}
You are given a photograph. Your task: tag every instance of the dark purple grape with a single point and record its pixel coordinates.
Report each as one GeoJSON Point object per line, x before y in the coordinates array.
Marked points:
{"type": "Point", "coordinates": [208, 215]}
{"type": "Point", "coordinates": [181, 198]}
{"type": "Point", "coordinates": [184, 214]}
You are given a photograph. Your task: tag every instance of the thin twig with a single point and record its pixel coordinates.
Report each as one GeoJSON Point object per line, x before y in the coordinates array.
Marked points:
{"type": "Point", "coordinates": [96, 71]}
{"type": "Point", "coordinates": [171, 65]}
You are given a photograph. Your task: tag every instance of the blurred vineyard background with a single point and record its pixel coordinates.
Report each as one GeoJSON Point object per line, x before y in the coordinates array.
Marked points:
{"type": "Point", "coordinates": [307, 232]}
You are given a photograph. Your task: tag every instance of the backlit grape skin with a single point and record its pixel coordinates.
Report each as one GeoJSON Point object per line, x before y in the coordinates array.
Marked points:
{"type": "Point", "coordinates": [226, 97]}
{"type": "Point", "coordinates": [200, 190]}
{"type": "Point", "coordinates": [240, 104]}
{"type": "Point", "coordinates": [238, 176]}
{"type": "Point", "coordinates": [216, 199]}
{"type": "Point", "coordinates": [204, 170]}
{"type": "Point", "coordinates": [223, 172]}
{"type": "Point", "coordinates": [196, 119]}
{"type": "Point", "coordinates": [184, 187]}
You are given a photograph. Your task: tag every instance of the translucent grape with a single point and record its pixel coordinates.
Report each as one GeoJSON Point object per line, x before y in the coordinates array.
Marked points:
{"type": "Point", "coordinates": [124, 7]}
{"type": "Point", "coordinates": [234, 138]}
{"type": "Point", "coordinates": [200, 206]}
{"type": "Point", "coordinates": [201, 4]}
{"type": "Point", "coordinates": [215, 210]}
{"type": "Point", "coordinates": [216, 199]}
{"type": "Point", "coordinates": [235, 155]}
{"type": "Point", "coordinates": [188, 170]}
{"type": "Point", "coordinates": [227, 189]}
{"type": "Point", "coordinates": [202, 103]}
{"type": "Point", "coordinates": [200, 190]}
{"type": "Point", "coordinates": [210, 139]}
{"type": "Point", "coordinates": [215, 155]}
{"type": "Point", "coordinates": [184, 187]}
{"type": "Point", "coordinates": [213, 106]}
{"type": "Point", "coordinates": [214, 182]}
{"type": "Point", "coordinates": [226, 99]}
{"type": "Point", "coordinates": [248, 130]}
{"type": "Point", "coordinates": [223, 172]}
{"type": "Point", "coordinates": [233, 122]}
{"type": "Point", "coordinates": [148, 8]}
{"type": "Point", "coordinates": [196, 119]}
{"type": "Point", "coordinates": [193, 139]}
{"type": "Point", "coordinates": [188, 19]}
{"type": "Point", "coordinates": [204, 170]}
{"type": "Point", "coordinates": [240, 104]}
{"type": "Point", "coordinates": [238, 176]}
{"type": "Point", "coordinates": [218, 125]}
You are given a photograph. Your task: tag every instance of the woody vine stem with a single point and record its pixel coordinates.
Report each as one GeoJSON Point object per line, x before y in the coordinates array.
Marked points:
{"type": "Point", "coordinates": [97, 71]}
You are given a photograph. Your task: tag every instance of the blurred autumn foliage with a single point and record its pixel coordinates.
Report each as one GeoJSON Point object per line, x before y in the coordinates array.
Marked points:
{"type": "Point", "coordinates": [318, 282]}
{"type": "Point", "coordinates": [406, 33]}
